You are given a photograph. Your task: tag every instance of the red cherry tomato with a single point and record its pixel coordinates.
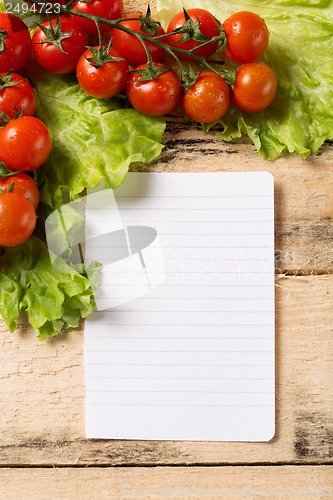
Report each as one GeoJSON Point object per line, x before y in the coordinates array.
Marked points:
{"type": "Point", "coordinates": [17, 219]}
{"type": "Point", "coordinates": [108, 9]}
{"type": "Point", "coordinates": [209, 27]}
{"type": "Point", "coordinates": [208, 99]}
{"type": "Point", "coordinates": [21, 184]}
{"type": "Point", "coordinates": [247, 36]}
{"type": "Point", "coordinates": [105, 81]}
{"type": "Point", "coordinates": [255, 87]}
{"type": "Point", "coordinates": [131, 47]}
{"type": "Point", "coordinates": [15, 41]}
{"type": "Point", "coordinates": [25, 143]}
{"type": "Point", "coordinates": [50, 57]}
{"type": "Point", "coordinates": [19, 97]}
{"type": "Point", "coordinates": [154, 97]}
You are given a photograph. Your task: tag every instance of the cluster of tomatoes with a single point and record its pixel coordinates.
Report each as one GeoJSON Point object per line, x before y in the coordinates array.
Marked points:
{"type": "Point", "coordinates": [159, 68]}
{"type": "Point", "coordinates": [198, 62]}
{"type": "Point", "coordinates": [202, 86]}
{"type": "Point", "coordinates": [25, 142]}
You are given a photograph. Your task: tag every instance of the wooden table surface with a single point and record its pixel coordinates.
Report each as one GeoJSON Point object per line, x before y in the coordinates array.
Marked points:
{"type": "Point", "coordinates": [43, 450]}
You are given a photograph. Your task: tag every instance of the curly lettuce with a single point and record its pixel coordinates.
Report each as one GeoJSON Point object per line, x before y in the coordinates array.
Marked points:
{"type": "Point", "coordinates": [53, 297]}
{"type": "Point", "coordinates": [300, 53]}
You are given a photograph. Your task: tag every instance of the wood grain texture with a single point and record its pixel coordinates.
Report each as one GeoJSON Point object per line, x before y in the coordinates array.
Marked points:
{"type": "Point", "coordinates": [139, 5]}
{"type": "Point", "coordinates": [42, 396]}
{"type": "Point", "coordinates": [167, 482]}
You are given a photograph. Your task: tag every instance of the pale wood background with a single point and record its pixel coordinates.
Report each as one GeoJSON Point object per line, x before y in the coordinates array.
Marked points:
{"type": "Point", "coordinates": [43, 451]}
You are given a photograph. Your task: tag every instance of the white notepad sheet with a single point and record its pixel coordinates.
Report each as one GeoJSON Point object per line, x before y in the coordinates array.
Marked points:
{"type": "Point", "coordinates": [185, 350]}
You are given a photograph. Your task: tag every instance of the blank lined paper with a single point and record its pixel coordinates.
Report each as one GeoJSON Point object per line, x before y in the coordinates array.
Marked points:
{"type": "Point", "coordinates": [185, 350]}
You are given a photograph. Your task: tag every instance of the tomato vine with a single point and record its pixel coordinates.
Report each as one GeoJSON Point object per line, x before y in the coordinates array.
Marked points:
{"type": "Point", "coordinates": [191, 30]}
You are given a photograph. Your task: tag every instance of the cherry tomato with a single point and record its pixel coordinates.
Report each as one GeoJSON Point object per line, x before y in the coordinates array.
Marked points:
{"type": "Point", "coordinates": [22, 184]}
{"type": "Point", "coordinates": [20, 96]}
{"type": "Point", "coordinates": [154, 97]}
{"type": "Point", "coordinates": [25, 143]}
{"type": "Point", "coordinates": [131, 47]}
{"type": "Point", "coordinates": [247, 36]}
{"type": "Point", "coordinates": [50, 57]}
{"type": "Point", "coordinates": [209, 27]}
{"type": "Point", "coordinates": [105, 81]}
{"type": "Point", "coordinates": [17, 219]}
{"type": "Point", "coordinates": [108, 9]}
{"type": "Point", "coordinates": [208, 99]}
{"type": "Point", "coordinates": [15, 43]}
{"type": "Point", "coordinates": [255, 87]}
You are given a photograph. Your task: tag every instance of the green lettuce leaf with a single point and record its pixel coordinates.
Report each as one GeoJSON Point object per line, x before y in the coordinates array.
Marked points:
{"type": "Point", "coordinates": [53, 296]}
{"type": "Point", "coordinates": [300, 53]}
{"type": "Point", "coordinates": [93, 139]}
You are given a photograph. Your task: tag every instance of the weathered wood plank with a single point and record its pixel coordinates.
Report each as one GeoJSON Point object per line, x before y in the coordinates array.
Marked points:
{"type": "Point", "coordinates": [42, 396]}
{"type": "Point", "coordinates": [167, 482]}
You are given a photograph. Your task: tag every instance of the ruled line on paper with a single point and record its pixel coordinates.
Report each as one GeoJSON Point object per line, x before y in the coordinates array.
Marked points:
{"type": "Point", "coordinates": [176, 364]}
{"type": "Point", "coordinates": [195, 324]}
{"type": "Point", "coordinates": [180, 392]}
{"type": "Point", "coordinates": [106, 285]}
{"type": "Point", "coordinates": [181, 405]}
{"type": "Point", "coordinates": [182, 378]}
{"type": "Point", "coordinates": [185, 195]}
{"type": "Point", "coordinates": [187, 351]}
{"type": "Point", "coordinates": [97, 337]}
{"type": "Point", "coordinates": [201, 210]}
{"type": "Point", "coordinates": [177, 341]}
